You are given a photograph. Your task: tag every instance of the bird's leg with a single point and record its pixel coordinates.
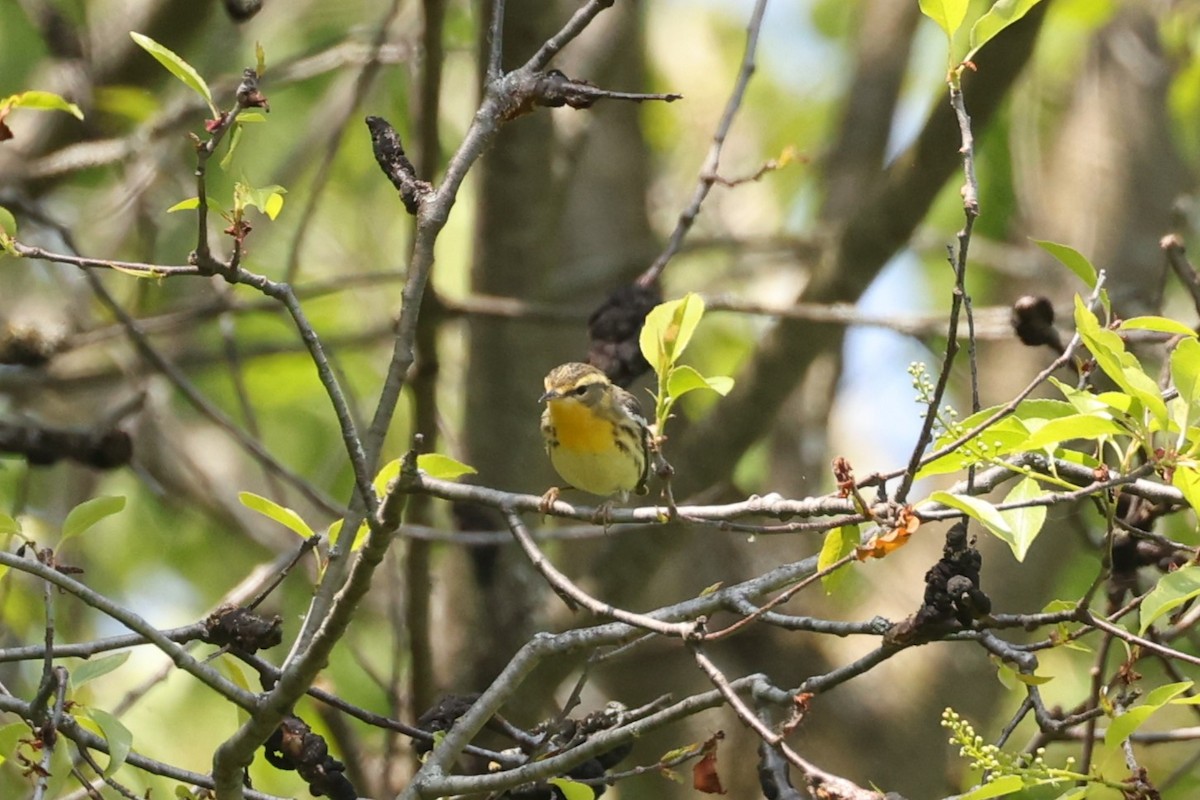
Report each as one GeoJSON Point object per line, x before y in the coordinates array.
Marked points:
{"type": "Point", "coordinates": [549, 499]}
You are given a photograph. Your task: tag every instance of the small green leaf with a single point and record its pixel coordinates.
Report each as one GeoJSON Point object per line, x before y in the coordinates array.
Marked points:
{"type": "Point", "coordinates": [1172, 590]}
{"type": "Point", "coordinates": [10, 736]}
{"type": "Point", "coordinates": [573, 790]}
{"type": "Point", "coordinates": [260, 60]}
{"type": "Point", "coordinates": [839, 543]}
{"type": "Point", "coordinates": [1025, 523]}
{"type": "Point", "coordinates": [948, 14]}
{"type": "Point", "coordinates": [177, 67]}
{"type": "Point", "coordinates": [1000, 439]}
{"type": "Point", "coordinates": [1159, 324]}
{"type": "Point", "coordinates": [1118, 363]}
{"type": "Point", "coordinates": [1002, 14]}
{"type": "Point", "coordinates": [42, 101]}
{"type": "Point", "coordinates": [8, 524]}
{"type": "Point", "coordinates": [185, 205]}
{"type": "Point", "coordinates": [685, 379]}
{"type": "Point", "coordinates": [1072, 259]}
{"type": "Point", "coordinates": [436, 465]}
{"type": "Point", "coordinates": [1185, 373]}
{"type": "Point", "coordinates": [88, 513]}
{"type": "Point", "coordinates": [668, 329]}
{"type": "Point", "coordinates": [1005, 784]}
{"type": "Point", "coordinates": [1064, 429]}
{"type": "Point", "coordinates": [281, 514]}
{"type": "Point", "coordinates": [273, 205]}
{"type": "Point", "coordinates": [984, 512]}
{"type": "Point", "coordinates": [335, 530]}
{"type": "Point", "coordinates": [1186, 478]}
{"type": "Point", "coordinates": [8, 223]}
{"type": "Point", "coordinates": [119, 738]}
{"type": "Point", "coordinates": [95, 667]}
{"type": "Point", "coordinates": [1123, 726]}
{"type": "Point", "coordinates": [389, 473]}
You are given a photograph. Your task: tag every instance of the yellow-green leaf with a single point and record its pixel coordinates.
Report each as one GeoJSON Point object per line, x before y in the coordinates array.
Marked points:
{"type": "Point", "coordinates": [1185, 373]}
{"type": "Point", "coordinates": [668, 329]}
{"type": "Point", "coordinates": [984, 512]}
{"type": "Point", "coordinates": [176, 66]}
{"type": "Point", "coordinates": [281, 514]}
{"type": "Point", "coordinates": [1118, 363]}
{"type": "Point", "coordinates": [1005, 784]}
{"type": "Point", "coordinates": [1025, 523]}
{"type": "Point", "coordinates": [443, 467]}
{"type": "Point", "coordinates": [1186, 478]}
{"type": "Point", "coordinates": [839, 543]}
{"type": "Point", "coordinates": [1123, 726]}
{"type": "Point", "coordinates": [573, 790]}
{"type": "Point", "coordinates": [1172, 590]}
{"type": "Point", "coordinates": [42, 101]}
{"type": "Point", "coordinates": [88, 513]}
{"type": "Point", "coordinates": [93, 668]}
{"type": "Point", "coordinates": [948, 14]}
{"type": "Point", "coordinates": [1002, 14]}
{"type": "Point", "coordinates": [119, 738]}
{"type": "Point", "coordinates": [1072, 259]}
{"type": "Point", "coordinates": [360, 535]}
{"type": "Point", "coordinates": [1158, 324]}
{"type": "Point", "coordinates": [8, 223]}
{"type": "Point", "coordinates": [1064, 429]}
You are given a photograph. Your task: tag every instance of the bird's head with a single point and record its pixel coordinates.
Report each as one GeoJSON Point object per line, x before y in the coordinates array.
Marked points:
{"type": "Point", "coordinates": [574, 382]}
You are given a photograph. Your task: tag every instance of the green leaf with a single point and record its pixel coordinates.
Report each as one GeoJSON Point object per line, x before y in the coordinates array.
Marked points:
{"type": "Point", "coordinates": [387, 474]}
{"type": "Point", "coordinates": [1185, 373]}
{"type": "Point", "coordinates": [177, 67]}
{"type": "Point", "coordinates": [1186, 478]}
{"type": "Point", "coordinates": [119, 738]}
{"type": "Point", "coordinates": [1119, 364]}
{"type": "Point", "coordinates": [985, 513]}
{"type": "Point", "coordinates": [1159, 324]}
{"type": "Point", "coordinates": [948, 14]}
{"type": "Point", "coordinates": [194, 202]}
{"type": "Point", "coordinates": [1000, 439]}
{"type": "Point", "coordinates": [573, 790]}
{"type": "Point", "coordinates": [281, 514]}
{"type": "Point", "coordinates": [8, 524]}
{"type": "Point", "coordinates": [10, 736]}
{"type": "Point", "coordinates": [436, 465]}
{"type": "Point", "coordinates": [360, 536]}
{"type": "Point", "coordinates": [1072, 259]}
{"type": "Point", "coordinates": [1123, 726]}
{"type": "Point", "coordinates": [88, 513]}
{"type": "Point", "coordinates": [42, 101]}
{"type": "Point", "coordinates": [668, 329]}
{"type": "Point", "coordinates": [1002, 14]}
{"type": "Point", "coordinates": [93, 668]}
{"type": "Point", "coordinates": [260, 60]}
{"type": "Point", "coordinates": [685, 379]}
{"type": "Point", "coordinates": [1064, 429]}
{"type": "Point", "coordinates": [1172, 590]}
{"type": "Point", "coordinates": [8, 223]}
{"type": "Point", "coordinates": [1025, 523]}
{"type": "Point", "coordinates": [1004, 784]}
{"type": "Point", "coordinates": [839, 543]}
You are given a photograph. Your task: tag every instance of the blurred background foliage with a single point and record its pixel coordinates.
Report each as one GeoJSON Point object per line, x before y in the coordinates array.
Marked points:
{"type": "Point", "coordinates": [1096, 144]}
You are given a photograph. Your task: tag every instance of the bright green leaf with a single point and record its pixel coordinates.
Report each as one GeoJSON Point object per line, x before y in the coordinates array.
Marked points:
{"type": "Point", "coordinates": [1004, 784]}
{"type": "Point", "coordinates": [8, 524]}
{"type": "Point", "coordinates": [983, 512]}
{"type": "Point", "coordinates": [251, 116]}
{"type": "Point", "coordinates": [88, 513]}
{"type": "Point", "coordinates": [999, 440]}
{"type": "Point", "coordinates": [573, 790]}
{"type": "Point", "coordinates": [685, 379]}
{"type": "Point", "coordinates": [273, 205]}
{"type": "Point", "coordinates": [1172, 590]}
{"type": "Point", "coordinates": [1186, 478]}
{"type": "Point", "coordinates": [1025, 523]}
{"type": "Point", "coordinates": [948, 14]}
{"type": "Point", "coordinates": [1072, 259]}
{"type": "Point", "coordinates": [93, 668]}
{"type": "Point", "coordinates": [185, 205]}
{"type": "Point", "coordinates": [1118, 363]}
{"type": "Point", "coordinates": [1002, 14]}
{"type": "Point", "coordinates": [10, 735]}
{"type": "Point", "coordinates": [1159, 324]}
{"type": "Point", "coordinates": [281, 514]}
{"type": "Point", "coordinates": [260, 60]}
{"type": "Point", "coordinates": [668, 329]}
{"type": "Point", "coordinates": [1185, 372]}
{"type": "Point", "coordinates": [1064, 429]}
{"type": "Point", "coordinates": [177, 67]}
{"type": "Point", "coordinates": [119, 738]}
{"type": "Point", "coordinates": [8, 223]}
{"type": "Point", "coordinates": [839, 543]}
{"type": "Point", "coordinates": [445, 468]}
{"type": "Point", "coordinates": [389, 473]}
{"type": "Point", "coordinates": [42, 101]}
{"type": "Point", "coordinates": [360, 536]}
{"type": "Point", "coordinates": [1123, 726]}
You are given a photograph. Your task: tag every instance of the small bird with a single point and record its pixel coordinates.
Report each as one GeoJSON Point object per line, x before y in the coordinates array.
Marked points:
{"type": "Point", "coordinates": [596, 436]}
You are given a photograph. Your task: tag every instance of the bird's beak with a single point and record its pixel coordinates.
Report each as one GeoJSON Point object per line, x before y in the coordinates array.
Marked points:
{"type": "Point", "coordinates": [549, 395]}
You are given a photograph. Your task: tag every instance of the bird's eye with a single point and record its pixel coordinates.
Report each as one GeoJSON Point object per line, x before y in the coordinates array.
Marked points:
{"type": "Point", "coordinates": [580, 390]}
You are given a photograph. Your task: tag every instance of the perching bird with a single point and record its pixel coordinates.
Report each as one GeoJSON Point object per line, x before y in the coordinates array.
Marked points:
{"type": "Point", "coordinates": [596, 436]}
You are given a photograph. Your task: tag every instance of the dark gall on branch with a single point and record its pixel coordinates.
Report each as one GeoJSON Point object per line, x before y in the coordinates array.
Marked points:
{"type": "Point", "coordinates": [1033, 322]}
{"type": "Point", "coordinates": [389, 154]}
{"type": "Point", "coordinates": [293, 746]}
{"type": "Point", "coordinates": [108, 448]}
{"type": "Point", "coordinates": [953, 599]}
{"type": "Point", "coordinates": [243, 630]}
{"type": "Point", "coordinates": [613, 331]}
